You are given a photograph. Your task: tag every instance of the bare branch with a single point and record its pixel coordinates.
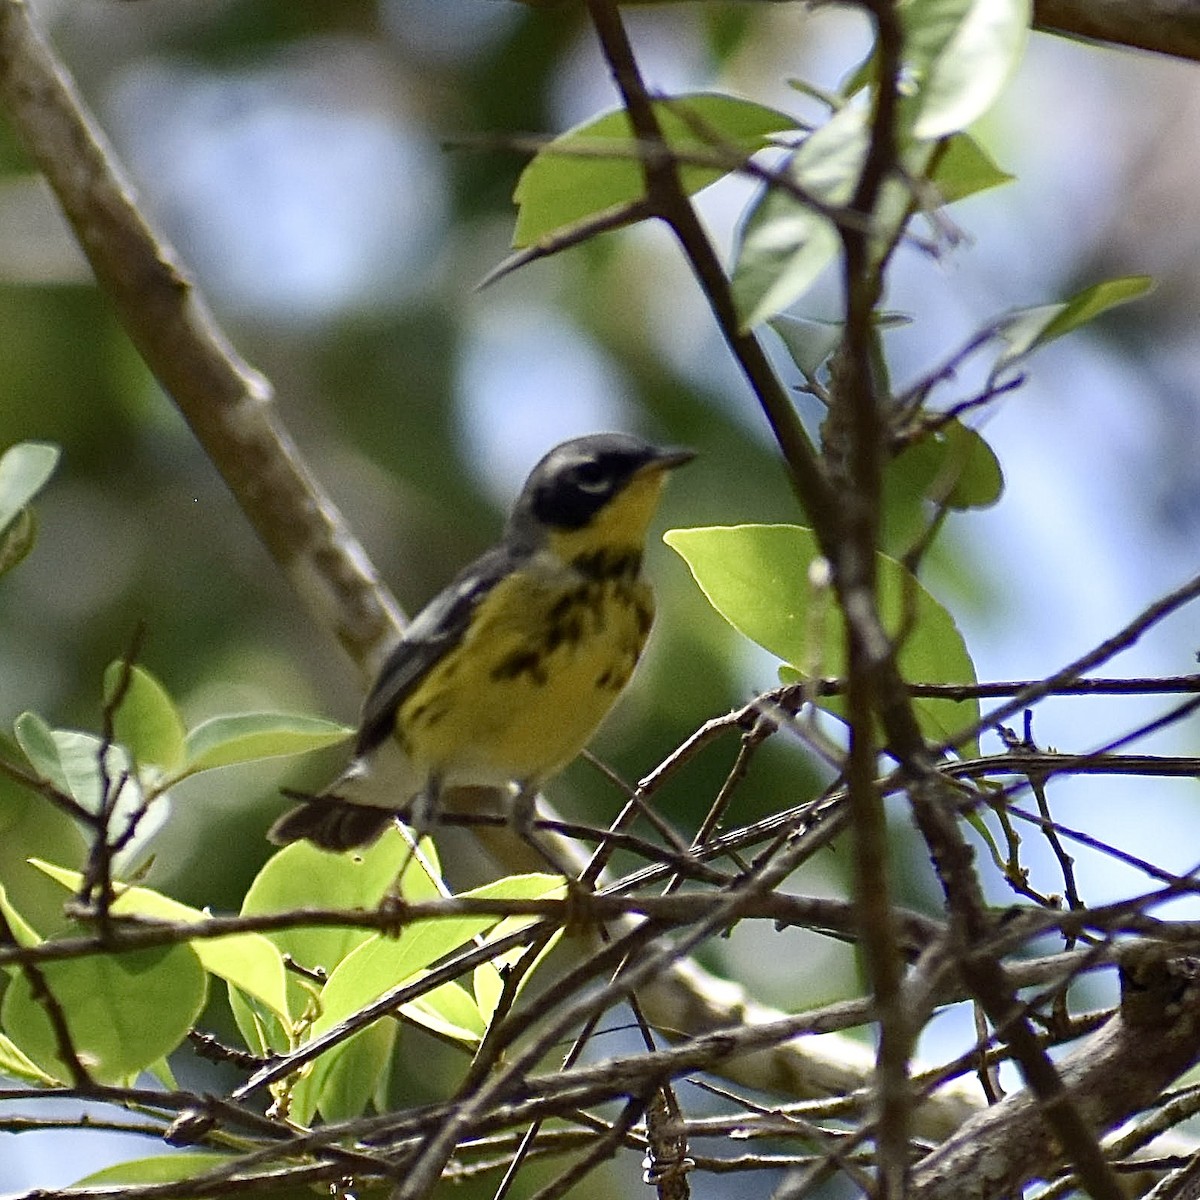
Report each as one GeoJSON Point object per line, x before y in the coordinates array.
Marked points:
{"type": "Point", "coordinates": [1164, 26]}
{"type": "Point", "coordinates": [227, 404]}
{"type": "Point", "coordinates": [1113, 1075]}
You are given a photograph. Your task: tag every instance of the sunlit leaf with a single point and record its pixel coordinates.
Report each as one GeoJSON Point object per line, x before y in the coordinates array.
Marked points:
{"type": "Point", "coordinates": [123, 1011]}
{"type": "Point", "coordinates": [23, 933]}
{"type": "Point", "coordinates": [342, 1079]}
{"type": "Point", "coordinates": [451, 1011]}
{"type": "Point", "coordinates": [785, 244]}
{"type": "Point", "coordinates": [560, 188]}
{"type": "Point", "coordinates": [760, 579]}
{"type": "Point", "coordinates": [487, 979]}
{"type": "Point", "coordinates": [81, 765]}
{"type": "Point", "coordinates": [1028, 329]}
{"type": "Point", "coordinates": [247, 960]}
{"type": "Point", "coordinates": [147, 721]}
{"type": "Point", "coordinates": [383, 962]}
{"type": "Point", "coordinates": [301, 876]}
{"type": "Point", "coordinates": [247, 737]}
{"type": "Point", "coordinates": [965, 168]}
{"type": "Point", "coordinates": [24, 471]}
{"type": "Point", "coordinates": [16, 1065]}
{"type": "Point", "coordinates": [160, 1168]}
{"type": "Point", "coordinates": [958, 56]}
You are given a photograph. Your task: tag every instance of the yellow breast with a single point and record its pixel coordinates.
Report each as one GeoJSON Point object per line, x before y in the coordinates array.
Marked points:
{"type": "Point", "coordinates": [543, 661]}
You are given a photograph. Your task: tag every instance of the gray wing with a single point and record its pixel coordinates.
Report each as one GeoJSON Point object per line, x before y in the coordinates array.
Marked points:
{"type": "Point", "coordinates": [435, 630]}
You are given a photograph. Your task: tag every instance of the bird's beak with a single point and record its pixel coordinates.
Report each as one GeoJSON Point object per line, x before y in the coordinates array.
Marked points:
{"type": "Point", "coordinates": [670, 458]}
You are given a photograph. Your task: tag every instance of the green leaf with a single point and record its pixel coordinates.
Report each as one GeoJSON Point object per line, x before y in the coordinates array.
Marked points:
{"type": "Point", "coordinates": [535, 885]}
{"type": "Point", "coordinates": [247, 960]}
{"type": "Point", "coordinates": [488, 985]}
{"type": "Point", "coordinates": [958, 56]}
{"type": "Point", "coordinates": [24, 470]}
{"type": "Point", "coordinates": [561, 187]}
{"type": "Point", "coordinates": [263, 1031]}
{"type": "Point", "coordinates": [758, 577]}
{"type": "Point", "coordinates": [861, 76]}
{"type": "Point", "coordinates": [36, 739]}
{"type": "Point", "coordinates": [246, 737]}
{"type": "Point", "coordinates": [147, 721]}
{"type": "Point", "coordinates": [952, 466]}
{"type": "Point", "coordinates": [179, 1165]}
{"type": "Point", "coordinates": [965, 168]}
{"type": "Point", "coordinates": [124, 1011]}
{"type": "Point", "coordinates": [382, 963]}
{"type": "Point", "coordinates": [978, 480]}
{"type": "Point", "coordinates": [1028, 329]}
{"type": "Point", "coordinates": [451, 1011]}
{"type": "Point", "coordinates": [23, 933]}
{"type": "Point", "coordinates": [301, 876]}
{"type": "Point", "coordinates": [16, 1065]}
{"type": "Point", "coordinates": [161, 1168]}
{"type": "Point", "coordinates": [71, 760]}
{"type": "Point", "coordinates": [32, 827]}
{"type": "Point", "coordinates": [785, 244]}
{"type": "Point", "coordinates": [487, 980]}
{"type": "Point", "coordinates": [378, 965]}
{"type": "Point", "coordinates": [342, 1081]}
{"type": "Point", "coordinates": [162, 1073]}
{"type": "Point", "coordinates": [810, 342]}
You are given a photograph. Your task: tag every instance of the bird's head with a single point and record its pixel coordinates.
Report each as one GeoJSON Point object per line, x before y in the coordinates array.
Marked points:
{"type": "Point", "coordinates": [595, 495]}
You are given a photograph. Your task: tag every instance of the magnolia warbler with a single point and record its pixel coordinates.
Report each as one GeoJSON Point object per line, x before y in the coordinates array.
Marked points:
{"type": "Point", "coordinates": [504, 676]}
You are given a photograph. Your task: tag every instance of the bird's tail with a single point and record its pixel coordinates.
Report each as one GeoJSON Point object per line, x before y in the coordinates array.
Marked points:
{"type": "Point", "coordinates": [331, 823]}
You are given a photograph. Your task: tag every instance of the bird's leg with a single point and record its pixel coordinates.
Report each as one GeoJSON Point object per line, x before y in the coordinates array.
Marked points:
{"type": "Point", "coordinates": [422, 810]}
{"type": "Point", "coordinates": [416, 824]}
{"type": "Point", "coordinates": [522, 818]}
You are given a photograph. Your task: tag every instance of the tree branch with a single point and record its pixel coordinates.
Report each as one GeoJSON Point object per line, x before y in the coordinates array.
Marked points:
{"type": "Point", "coordinates": [228, 405]}
{"type": "Point", "coordinates": [1164, 26]}
{"type": "Point", "coordinates": [1110, 1077]}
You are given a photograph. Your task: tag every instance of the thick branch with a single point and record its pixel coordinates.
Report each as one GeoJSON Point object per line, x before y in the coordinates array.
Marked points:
{"type": "Point", "coordinates": [227, 403]}
{"type": "Point", "coordinates": [1110, 1077]}
{"type": "Point", "coordinates": [1165, 26]}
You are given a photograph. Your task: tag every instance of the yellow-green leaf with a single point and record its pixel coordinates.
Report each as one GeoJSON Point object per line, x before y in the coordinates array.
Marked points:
{"type": "Point", "coordinates": [247, 960]}
{"type": "Point", "coordinates": [760, 579]}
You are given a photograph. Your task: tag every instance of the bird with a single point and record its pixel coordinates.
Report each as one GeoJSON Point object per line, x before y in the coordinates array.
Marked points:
{"type": "Point", "coordinates": [504, 676]}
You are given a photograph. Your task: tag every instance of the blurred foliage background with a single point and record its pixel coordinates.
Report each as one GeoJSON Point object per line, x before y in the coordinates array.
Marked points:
{"type": "Point", "coordinates": [337, 177]}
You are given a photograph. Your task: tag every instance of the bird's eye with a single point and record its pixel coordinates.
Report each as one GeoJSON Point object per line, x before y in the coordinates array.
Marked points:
{"type": "Point", "coordinates": [591, 477]}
